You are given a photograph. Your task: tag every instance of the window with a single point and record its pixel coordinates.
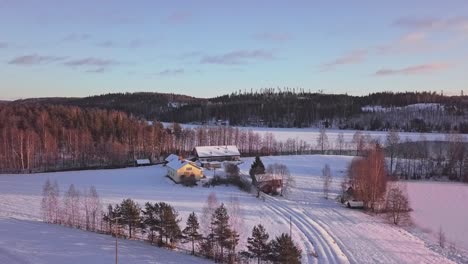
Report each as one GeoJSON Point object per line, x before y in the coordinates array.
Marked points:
{"type": "Point", "coordinates": [189, 168]}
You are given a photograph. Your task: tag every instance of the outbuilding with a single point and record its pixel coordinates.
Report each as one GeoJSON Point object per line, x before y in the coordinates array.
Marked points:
{"type": "Point", "coordinates": [207, 155]}
{"type": "Point", "coordinates": [142, 162]}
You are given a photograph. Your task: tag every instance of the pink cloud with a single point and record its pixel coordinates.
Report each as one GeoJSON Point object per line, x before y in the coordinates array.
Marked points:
{"type": "Point", "coordinates": [411, 42]}
{"type": "Point", "coordinates": [353, 57]}
{"type": "Point", "coordinates": [34, 59]}
{"type": "Point", "coordinates": [90, 61]}
{"type": "Point", "coordinates": [454, 23]}
{"type": "Point", "coordinates": [416, 69]}
{"type": "Point", "coordinates": [238, 57]}
{"type": "Point", "coordinates": [97, 70]}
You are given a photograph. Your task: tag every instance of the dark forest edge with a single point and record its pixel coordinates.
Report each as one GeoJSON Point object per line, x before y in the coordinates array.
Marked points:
{"type": "Point", "coordinates": [289, 107]}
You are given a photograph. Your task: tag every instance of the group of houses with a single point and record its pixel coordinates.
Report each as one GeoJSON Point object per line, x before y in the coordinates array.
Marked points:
{"type": "Point", "coordinates": [211, 158]}
{"type": "Point", "coordinates": [204, 157]}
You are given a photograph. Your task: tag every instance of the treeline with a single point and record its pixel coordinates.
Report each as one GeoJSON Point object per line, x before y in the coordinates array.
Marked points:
{"type": "Point", "coordinates": [425, 159]}
{"type": "Point", "coordinates": [288, 107]}
{"type": "Point", "coordinates": [298, 108]}
{"type": "Point", "coordinates": [215, 236]}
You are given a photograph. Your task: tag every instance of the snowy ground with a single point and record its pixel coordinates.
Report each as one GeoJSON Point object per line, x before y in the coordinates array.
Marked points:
{"type": "Point", "coordinates": [336, 234]}
{"type": "Point", "coordinates": [32, 242]}
{"type": "Point", "coordinates": [441, 205]}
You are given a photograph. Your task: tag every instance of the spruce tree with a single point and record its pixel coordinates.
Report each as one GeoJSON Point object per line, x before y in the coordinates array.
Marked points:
{"type": "Point", "coordinates": [258, 244]}
{"type": "Point", "coordinates": [191, 230]}
{"type": "Point", "coordinates": [284, 250]}
{"type": "Point", "coordinates": [222, 232]}
{"type": "Point", "coordinates": [256, 168]}
{"type": "Point", "coordinates": [169, 223]}
{"type": "Point", "coordinates": [130, 212]}
{"type": "Point", "coordinates": [151, 220]}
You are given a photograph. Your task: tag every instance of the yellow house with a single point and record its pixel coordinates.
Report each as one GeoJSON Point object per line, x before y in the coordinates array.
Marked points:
{"type": "Point", "coordinates": [179, 169]}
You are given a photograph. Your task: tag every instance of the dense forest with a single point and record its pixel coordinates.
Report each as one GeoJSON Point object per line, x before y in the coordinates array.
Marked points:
{"type": "Point", "coordinates": [37, 138]}
{"type": "Point", "coordinates": [411, 111]}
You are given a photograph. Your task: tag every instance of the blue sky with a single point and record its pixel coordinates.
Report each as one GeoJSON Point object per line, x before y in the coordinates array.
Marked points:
{"type": "Point", "coordinates": [209, 48]}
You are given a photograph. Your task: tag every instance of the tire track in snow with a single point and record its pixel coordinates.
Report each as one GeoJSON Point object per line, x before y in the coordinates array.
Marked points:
{"type": "Point", "coordinates": [305, 240]}
{"type": "Point", "coordinates": [328, 250]}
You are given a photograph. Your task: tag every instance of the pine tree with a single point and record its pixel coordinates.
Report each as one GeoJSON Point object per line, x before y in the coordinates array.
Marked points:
{"type": "Point", "coordinates": [169, 223]}
{"type": "Point", "coordinates": [222, 231]}
{"type": "Point", "coordinates": [258, 244]}
{"type": "Point", "coordinates": [151, 220]}
{"type": "Point", "coordinates": [191, 230]}
{"type": "Point", "coordinates": [284, 250]}
{"type": "Point", "coordinates": [130, 212]}
{"type": "Point", "coordinates": [256, 168]}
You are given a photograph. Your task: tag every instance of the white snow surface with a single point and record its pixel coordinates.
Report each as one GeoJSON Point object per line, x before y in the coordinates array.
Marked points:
{"type": "Point", "coordinates": [441, 205]}
{"type": "Point", "coordinates": [216, 151]}
{"type": "Point", "coordinates": [335, 233]}
{"type": "Point", "coordinates": [33, 242]}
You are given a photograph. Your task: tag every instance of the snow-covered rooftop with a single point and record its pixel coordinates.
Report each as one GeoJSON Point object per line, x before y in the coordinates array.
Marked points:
{"type": "Point", "coordinates": [143, 161]}
{"type": "Point", "coordinates": [178, 164]}
{"type": "Point", "coordinates": [217, 151]}
{"type": "Point", "coordinates": [172, 157]}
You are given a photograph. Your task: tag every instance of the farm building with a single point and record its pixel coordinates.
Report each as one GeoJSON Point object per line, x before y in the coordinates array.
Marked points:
{"type": "Point", "coordinates": [269, 184]}
{"type": "Point", "coordinates": [208, 155]}
{"type": "Point", "coordinates": [171, 158]}
{"type": "Point", "coordinates": [180, 169]}
{"type": "Point", "coordinates": [142, 162]}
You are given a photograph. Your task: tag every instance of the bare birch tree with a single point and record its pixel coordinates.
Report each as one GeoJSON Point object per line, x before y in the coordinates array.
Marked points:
{"type": "Point", "coordinates": [322, 140]}
{"type": "Point", "coordinates": [71, 206]}
{"type": "Point", "coordinates": [397, 205]}
{"type": "Point", "coordinates": [327, 180]}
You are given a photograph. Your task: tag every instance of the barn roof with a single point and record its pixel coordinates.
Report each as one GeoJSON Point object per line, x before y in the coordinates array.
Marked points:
{"type": "Point", "coordinates": [171, 157]}
{"type": "Point", "coordinates": [143, 161]}
{"type": "Point", "coordinates": [217, 151]}
{"type": "Point", "coordinates": [177, 164]}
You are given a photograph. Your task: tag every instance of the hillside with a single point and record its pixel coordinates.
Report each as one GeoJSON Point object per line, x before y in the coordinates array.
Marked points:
{"type": "Point", "coordinates": [290, 108]}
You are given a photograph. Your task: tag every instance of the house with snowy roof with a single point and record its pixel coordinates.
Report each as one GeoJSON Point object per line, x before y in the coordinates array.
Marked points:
{"type": "Point", "coordinates": [179, 170]}
{"type": "Point", "coordinates": [211, 156]}
{"type": "Point", "coordinates": [170, 158]}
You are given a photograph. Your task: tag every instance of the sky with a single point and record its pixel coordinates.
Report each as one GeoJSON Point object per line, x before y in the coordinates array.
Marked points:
{"type": "Point", "coordinates": [207, 48]}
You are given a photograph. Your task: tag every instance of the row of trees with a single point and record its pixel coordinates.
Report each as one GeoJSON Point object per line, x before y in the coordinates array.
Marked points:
{"type": "Point", "coordinates": [74, 209]}
{"type": "Point", "coordinates": [216, 236]}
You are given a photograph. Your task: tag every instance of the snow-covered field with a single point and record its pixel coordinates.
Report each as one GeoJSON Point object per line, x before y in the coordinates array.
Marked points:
{"type": "Point", "coordinates": [441, 205]}
{"type": "Point", "coordinates": [335, 233]}
{"type": "Point", "coordinates": [32, 242]}
{"type": "Point", "coordinates": [310, 135]}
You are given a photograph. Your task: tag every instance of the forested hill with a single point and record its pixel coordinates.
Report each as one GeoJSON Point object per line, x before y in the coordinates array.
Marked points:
{"type": "Point", "coordinates": [411, 111]}
{"type": "Point", "coordinates": [144, 104]}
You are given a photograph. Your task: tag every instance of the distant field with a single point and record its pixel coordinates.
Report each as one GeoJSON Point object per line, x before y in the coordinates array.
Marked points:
{"type": "Point", "coordinates": [310, 135]}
